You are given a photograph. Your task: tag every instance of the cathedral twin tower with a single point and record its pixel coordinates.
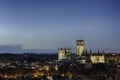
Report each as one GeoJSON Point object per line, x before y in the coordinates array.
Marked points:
{"type": "Point", "coordinates": [65, 53]}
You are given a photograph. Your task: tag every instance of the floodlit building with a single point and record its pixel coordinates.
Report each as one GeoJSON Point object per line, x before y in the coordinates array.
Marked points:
{"type": "Point", "coordinates": [81, 56]}
{"type": "Point", "coordinates": [81, 60]}
{"type": "Point", "coordinates": [80, 47]}
{"type": "Point", "coordinates": [97, 58]}
{"type": "Point", "coordinates": [64, 53]}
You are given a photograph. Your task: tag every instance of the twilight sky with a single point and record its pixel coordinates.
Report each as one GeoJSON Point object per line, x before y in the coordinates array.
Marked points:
{"type": "Point", "coordinates": [50, 24]}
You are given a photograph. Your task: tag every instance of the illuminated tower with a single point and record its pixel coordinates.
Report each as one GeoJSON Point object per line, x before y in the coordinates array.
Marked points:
{"type": "Point", "coordinates": [80, 47]}
{"type": "Point", "coordinates": [68, 53]}
{"type": "Point", "coordinates": [61, 54]}
{"type": "Point", "coordinates": [64, 53]}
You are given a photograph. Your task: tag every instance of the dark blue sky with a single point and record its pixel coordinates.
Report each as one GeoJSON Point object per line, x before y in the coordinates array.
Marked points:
{"type": "Point", "coordinates": [50, 24]}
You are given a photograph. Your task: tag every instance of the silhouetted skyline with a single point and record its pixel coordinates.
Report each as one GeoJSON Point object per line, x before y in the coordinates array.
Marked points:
{"type": "Point", "coordinates": [51, 24]}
